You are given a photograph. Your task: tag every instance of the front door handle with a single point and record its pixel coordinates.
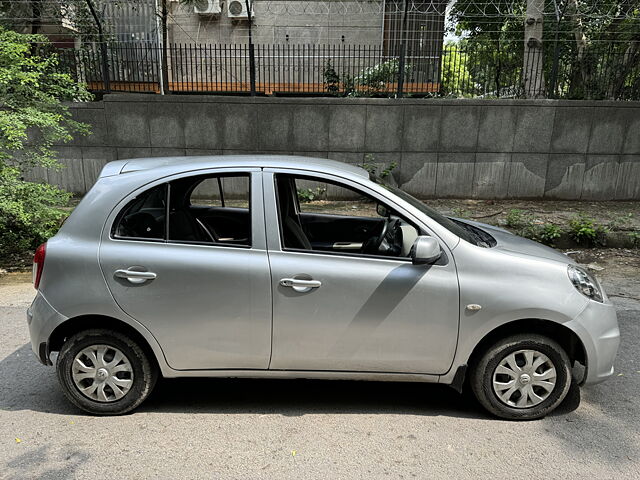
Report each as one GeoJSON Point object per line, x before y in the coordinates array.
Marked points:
{"type": "Point", "coordinates": [299, 285]}
{"type": "Point", "coordinates": [134, 276]}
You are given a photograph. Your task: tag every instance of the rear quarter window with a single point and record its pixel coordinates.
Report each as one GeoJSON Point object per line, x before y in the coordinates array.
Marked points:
{"type": "Point", "coordinates": [144, 217]}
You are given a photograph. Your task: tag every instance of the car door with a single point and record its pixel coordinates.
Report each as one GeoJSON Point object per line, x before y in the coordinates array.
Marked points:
{"type": "Point", "coordinates": [207, 301]}
{"type": "Point", "coordinates": [359, 313]}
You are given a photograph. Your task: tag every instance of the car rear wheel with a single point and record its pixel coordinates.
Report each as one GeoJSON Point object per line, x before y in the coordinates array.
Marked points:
{"type": "Point", "coordinates": [522, 377]}
{"type": "Point", "coordinates": [104, 372]}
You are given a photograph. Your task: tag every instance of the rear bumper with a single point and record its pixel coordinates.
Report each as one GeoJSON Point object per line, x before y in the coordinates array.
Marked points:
{"type": "Point", "coordinates": [597, 328]}
{"type": "Point", "coordinates": [42, 318]}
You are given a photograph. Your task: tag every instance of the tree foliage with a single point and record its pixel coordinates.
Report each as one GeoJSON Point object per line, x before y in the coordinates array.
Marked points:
{"type": "Point", "coordinates": [29, 16]}
{"type": "Point", "coordinates": [593, 44]}
{"type": "Point", "coordinates": [455, 78]}
{"type": "Point", "coordinates": [32, 120]}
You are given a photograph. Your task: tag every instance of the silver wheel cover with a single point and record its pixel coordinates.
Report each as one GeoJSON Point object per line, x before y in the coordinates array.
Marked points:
{"type": "Point", "coordinates": [102, 373]}
{"type": "Point", "coordinates": [524, 379]}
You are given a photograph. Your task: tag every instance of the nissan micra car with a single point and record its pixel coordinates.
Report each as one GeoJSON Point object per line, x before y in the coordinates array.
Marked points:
{"type": "Point", "coordinates": [222, 267]}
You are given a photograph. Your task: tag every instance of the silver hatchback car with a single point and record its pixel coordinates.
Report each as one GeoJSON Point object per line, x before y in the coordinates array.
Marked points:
{"type": "Point", "coordinates": [291, 267]}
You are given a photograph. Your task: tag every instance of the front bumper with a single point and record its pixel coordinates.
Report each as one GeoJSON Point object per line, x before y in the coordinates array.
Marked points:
{"type": "Point", "coordinates": [42, 318]}
{"type": "Point", "coordinates": [597, 328]}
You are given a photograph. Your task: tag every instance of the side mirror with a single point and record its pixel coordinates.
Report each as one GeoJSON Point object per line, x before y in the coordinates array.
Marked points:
{"type": "Point", "coordinates": [382, 210]}
{"type": "Point", "coordinates": [425, 251]}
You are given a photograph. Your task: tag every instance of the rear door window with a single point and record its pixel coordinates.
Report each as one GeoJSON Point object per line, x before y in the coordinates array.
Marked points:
{"type": "Point", "coordinates": [216, 210]}
{"type": "Point", "coordinates": [222, 191]}
{"type": "Point", "coordinates": [203, 209]}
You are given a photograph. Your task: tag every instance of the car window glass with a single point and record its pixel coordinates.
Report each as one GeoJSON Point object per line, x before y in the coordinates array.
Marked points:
{"type": "Point", "coordinates": [236, 191]}
{"type": "Point", "coordinates": [222, 191]}
{"type": "Point", "coordinates": [318, 215]}
{"type": "Point", "coordinates": [463, 230]}
{"type": "Point", "coordinates": [211, 209]}
{"type": "Point", "coordinates": [144, 216]}
{"type": "Point", "coordinates": [207, 193]}
{"type": "Point", "coordinates": [332, 199]}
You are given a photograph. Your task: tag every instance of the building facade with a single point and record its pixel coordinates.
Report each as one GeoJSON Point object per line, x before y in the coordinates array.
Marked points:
{"type": "Point", "coordinates": [362, 22]}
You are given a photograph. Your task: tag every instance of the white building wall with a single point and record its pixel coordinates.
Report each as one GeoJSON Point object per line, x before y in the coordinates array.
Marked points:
{"type": "Point", "coordinates": [324, 22]}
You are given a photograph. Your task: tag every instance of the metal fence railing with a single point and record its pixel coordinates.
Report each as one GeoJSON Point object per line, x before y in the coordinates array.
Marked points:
{"type": "Point", "coordinates": [473, 70]}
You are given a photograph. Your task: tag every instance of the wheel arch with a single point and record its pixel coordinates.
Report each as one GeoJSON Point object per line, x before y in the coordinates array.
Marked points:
{"type": "Point", "coordinates": [87, 322]}
{"type": "Point", "coordinates": [566, 337]}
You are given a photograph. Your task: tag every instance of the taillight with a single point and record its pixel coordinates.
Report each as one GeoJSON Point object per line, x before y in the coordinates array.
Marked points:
{"type": "Point", "coordinates": [38, 264]}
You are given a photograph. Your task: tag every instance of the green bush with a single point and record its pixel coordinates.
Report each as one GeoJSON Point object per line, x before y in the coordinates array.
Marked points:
{"type": "Point", "coordinates": [369, 164]}
{"type": "Point", "coordinates": [331, 78]}
{"type": "Point", "coordinates": [516, 218]}
{"type": "Point", "coordinates": [585, 231]}
{"type": "Point", "coordinates": [524, 224]}
{"type": "Point", "coordinates": [29, 212]}
{"type": "Point", "coordinates": [306, 195]}
{"type": "Point", "coordinates": [548, 234]}
{"type": "Point", "coordinates": [378, 77]}
{"type": "Point", "coordinates": [33, 120]}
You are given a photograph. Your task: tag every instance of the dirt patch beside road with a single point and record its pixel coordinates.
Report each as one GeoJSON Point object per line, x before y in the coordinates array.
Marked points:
{"type": "Point", "coordinates": [618, 215]}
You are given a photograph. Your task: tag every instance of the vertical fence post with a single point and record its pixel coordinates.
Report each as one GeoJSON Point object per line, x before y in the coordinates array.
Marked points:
{"type": "Point", "coordinates": [554, 69]}
{"type": "Point", "coordinates": [556, 51]}
{"type": "Point", "coordinates": [103, 48]}
{"type": "Point", "coordinates": [252, 54]}
{"type": "Point", "coordinates": [164, 68]}
{"type": "Point", "coordinates": [402, 51]}
{"type": "Point", "coordinates": [160, 44]}
{"type": "Point", "coordinates": [533, 72]}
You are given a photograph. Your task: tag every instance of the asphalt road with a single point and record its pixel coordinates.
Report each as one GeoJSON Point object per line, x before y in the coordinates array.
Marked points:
{"type": "Point", "coordinates": [274, 429]}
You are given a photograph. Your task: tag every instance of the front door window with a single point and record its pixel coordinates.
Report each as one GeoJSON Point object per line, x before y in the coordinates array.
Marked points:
{"type": "Point", "coordinates": [319, 215]}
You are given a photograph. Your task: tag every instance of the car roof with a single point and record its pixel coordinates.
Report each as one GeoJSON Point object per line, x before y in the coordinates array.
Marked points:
{"type": "Point", "coordinates": [185, 164]}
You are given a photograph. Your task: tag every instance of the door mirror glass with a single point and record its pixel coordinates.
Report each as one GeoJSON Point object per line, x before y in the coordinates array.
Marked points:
{"type": "Point", "coordinates": [425, 251]}
{"type": "Point", "coordinates": [382, 210]}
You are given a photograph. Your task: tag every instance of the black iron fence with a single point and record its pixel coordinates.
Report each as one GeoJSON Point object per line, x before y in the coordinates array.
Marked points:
{"type": "Point", "coordinates": [473, 70]}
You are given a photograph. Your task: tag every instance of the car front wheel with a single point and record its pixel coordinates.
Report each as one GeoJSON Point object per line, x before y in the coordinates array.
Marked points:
{"type": "Point", "coordinates": [104, 372]}
{"type": "Point", "coordinates": [522, 377]}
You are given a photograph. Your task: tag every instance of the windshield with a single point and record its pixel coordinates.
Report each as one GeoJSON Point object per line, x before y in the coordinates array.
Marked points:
{"type": "Point", "coordinates": [462, 230]}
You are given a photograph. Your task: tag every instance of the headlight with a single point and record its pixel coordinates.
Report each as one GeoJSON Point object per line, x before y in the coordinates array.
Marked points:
{"type": "Point", "coordinates": [585, 283]}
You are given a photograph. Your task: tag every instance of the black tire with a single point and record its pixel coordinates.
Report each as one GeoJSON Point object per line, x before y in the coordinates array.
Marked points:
{"type": "Point", "coordinates": [481, 378]}
{"type": "Point", "coordinates": [145, 372]}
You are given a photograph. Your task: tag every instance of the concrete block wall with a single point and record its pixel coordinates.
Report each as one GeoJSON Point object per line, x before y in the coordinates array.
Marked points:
{"type": "Point", "coordinates": [443, 148]}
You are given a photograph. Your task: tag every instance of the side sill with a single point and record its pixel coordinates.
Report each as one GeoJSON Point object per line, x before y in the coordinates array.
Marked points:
{"type": "Point", "coordinates": [306, 374]}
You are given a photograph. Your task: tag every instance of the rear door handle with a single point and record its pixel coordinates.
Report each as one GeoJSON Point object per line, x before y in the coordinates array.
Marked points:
{"type": "Point", "coordinates": [134, 276]}
{"type": "Point", "coordinates": [300, 285]}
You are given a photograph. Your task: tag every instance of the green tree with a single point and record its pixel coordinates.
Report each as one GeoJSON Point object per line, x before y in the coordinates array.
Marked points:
{"type": "Point", "coordinates": [594, 45]}
{"type": "Point", "coordinates": [455, 77]}
{"type": "Point", "coordinates": [32, 120]}
{"type": "Point", "coordinates": [30, 16]}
